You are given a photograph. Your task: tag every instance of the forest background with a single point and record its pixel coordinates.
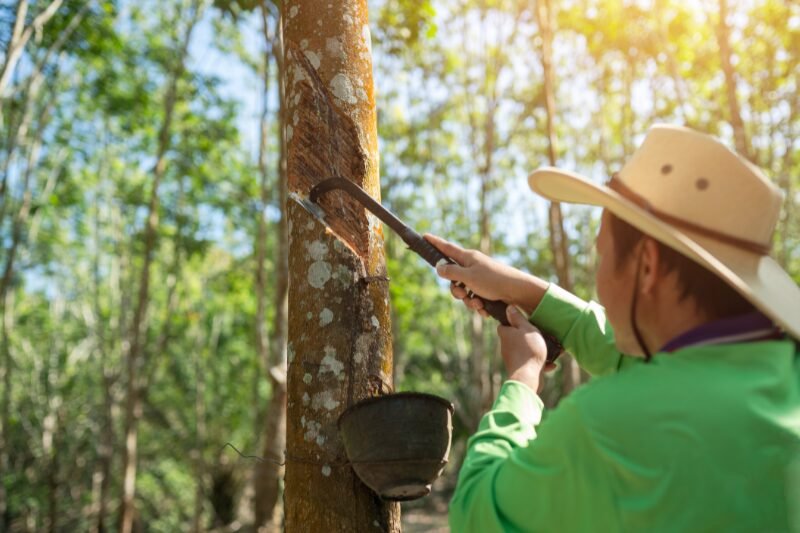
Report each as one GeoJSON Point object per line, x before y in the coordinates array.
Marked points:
{"type": "Point", "coordinates": [143, 262]}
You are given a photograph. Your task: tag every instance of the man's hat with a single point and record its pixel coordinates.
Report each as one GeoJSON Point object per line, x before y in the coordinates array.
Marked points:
{"type": "Point", "coordinates": [687, 190]}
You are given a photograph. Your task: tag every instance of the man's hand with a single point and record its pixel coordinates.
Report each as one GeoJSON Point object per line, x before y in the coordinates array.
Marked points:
{"type": "Point", "coordinates": [487, 278]}
{"type": "Point", "coordinates": [523, 349]}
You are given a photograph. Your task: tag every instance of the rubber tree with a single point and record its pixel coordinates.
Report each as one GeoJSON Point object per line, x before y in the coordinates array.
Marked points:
{"type": "Point", "coordinates": [267, 474]}
{"type": "Point", "coordinates": [731, 81]}
{"type": "Point", "coordinates": [558, 237]}
{"type": "Point", "coordinates": [139, 325]}
{"type": "Point", "coordinates": [339, 349]}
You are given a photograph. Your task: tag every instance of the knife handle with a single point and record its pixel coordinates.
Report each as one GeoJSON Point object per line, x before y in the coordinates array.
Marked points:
{"type": "Point", "coordinates": [495, 308]}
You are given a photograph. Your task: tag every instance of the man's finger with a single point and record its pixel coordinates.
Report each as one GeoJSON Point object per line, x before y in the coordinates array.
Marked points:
{"type": "Point", "coordinates": [451, 250]}
{"type": "Point", "coordinates": [450, 271]}
{"type": "Point", "coordinates": [458, 292]}
{"type": "Point", "coordinates": [474, 303]}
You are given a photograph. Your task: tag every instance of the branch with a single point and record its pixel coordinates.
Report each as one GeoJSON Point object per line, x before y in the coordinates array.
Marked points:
{"type": "Point", "coordinates": [16, 46]}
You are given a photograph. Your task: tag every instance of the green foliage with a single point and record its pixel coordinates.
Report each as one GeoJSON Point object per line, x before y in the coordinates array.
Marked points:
{"type": "Point", "coordinates": [462, 122]}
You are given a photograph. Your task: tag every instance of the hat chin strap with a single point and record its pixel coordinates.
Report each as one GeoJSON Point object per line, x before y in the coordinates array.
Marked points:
{"type": "Point", "coordinates": [634, 300]}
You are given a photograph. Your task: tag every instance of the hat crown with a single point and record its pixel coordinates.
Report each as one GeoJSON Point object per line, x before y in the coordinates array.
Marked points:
{"type": "Point", "coordinates": [693, 177]}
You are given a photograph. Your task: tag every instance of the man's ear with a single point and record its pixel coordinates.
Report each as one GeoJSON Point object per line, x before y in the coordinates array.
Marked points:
{"type": "Point", "coordinates": [650, 272]}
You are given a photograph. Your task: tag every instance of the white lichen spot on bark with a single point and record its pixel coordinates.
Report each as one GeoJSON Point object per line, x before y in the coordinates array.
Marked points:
{"type": "Point", "coordinates": [312, 431]}
{"type": "Point", "coordinates": [331, 365]}
{"type": "Point", "coordinates": [317, 250]}
{"type": "Point", "coordinates": [348, 19]}
{"type": "Point", "coordinates": [342, 88]}
{"type": "Point", "coordinates": [304, 44]}
{"type": "Point", "coordinates": [320, 440]}
{"type": "Point", "coordinates": [307, 378]}
{"type": "Point", "coordinates": [326, 470]}
{"type": "Point", "coordinates": [313, 58]}
{"type": "Point", "coordinates": [289, 132]}
{"type": "Point", "coordinates": [306, 399]}
{"type": "Point", "coordinates": [295, 119]}
{"type": "Point", "coordinates": [325, 317]}
{"type": "Point", "coordinates": [367, 37]}
{"type": "Point", "coordinates": [293, 12]}
{"type": "Point", "coordinates": [303, 421]}
{"type": "Point", "coordinates": [290, 352]}
{"type": "Point", "coordinates": [297, 74]}
{"type": "Point", "coordinates": [375, 323]}
{"type": "Point", "coordinates": [309, 315]}
{"type": "Point", "coordinates": [344, 275]}
{"type": "Point", "coordinates": [334, 47]}
{"type": "Point", "coordinates": [362, 94]}
{"type": "Point", "coordinates": [318, 274]}
{"type": "Point", "coordinates": [363, 343]}
{"type": "Point", "coordinates": [324, 400]}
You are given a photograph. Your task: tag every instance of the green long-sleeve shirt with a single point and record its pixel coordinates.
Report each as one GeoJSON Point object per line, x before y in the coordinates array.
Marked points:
{"type": "Point", "coordinates": [706, 438]}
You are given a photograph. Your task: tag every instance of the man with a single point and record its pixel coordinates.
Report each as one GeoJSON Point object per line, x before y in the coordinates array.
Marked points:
{"type": "Point", "coordinates": [692, 422]}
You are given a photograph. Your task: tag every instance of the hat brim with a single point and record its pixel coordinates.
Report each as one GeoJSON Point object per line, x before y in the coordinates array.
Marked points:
{"type": "Point", "coordinates": [758, 278]}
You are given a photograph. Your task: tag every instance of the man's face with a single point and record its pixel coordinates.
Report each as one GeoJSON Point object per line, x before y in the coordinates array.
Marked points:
{"type": "Point", "coordinates": [615, 288]}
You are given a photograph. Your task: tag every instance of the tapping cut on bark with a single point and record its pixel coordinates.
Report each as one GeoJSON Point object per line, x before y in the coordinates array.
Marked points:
{"type": "Point", "coordinates": [315, 117]}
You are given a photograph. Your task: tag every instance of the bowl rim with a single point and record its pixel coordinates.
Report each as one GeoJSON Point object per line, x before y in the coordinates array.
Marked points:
{"type": "Point", "coordinates": [375, 399]}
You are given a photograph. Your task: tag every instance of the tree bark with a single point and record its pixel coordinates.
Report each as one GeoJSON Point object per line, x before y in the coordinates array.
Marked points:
{"type": "Point", "coordinates": [558, 238]}
{"type": "Point", "coordinates": [731, 83]}
{"type": "Point", "coordinates": [133, 400]}
{"type": "Point", "coordinates": [339, 332]}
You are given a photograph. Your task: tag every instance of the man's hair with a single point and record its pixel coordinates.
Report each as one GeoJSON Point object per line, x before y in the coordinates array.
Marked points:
{"type": "Point", "coordinates": [712, 295]}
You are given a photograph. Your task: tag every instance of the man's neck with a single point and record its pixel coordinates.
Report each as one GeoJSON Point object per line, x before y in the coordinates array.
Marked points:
{"type": "Point", "coordinates": [671, 321]}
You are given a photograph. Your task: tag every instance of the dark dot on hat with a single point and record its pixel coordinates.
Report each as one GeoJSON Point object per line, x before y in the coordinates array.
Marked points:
{"type": "Point", "coordinates": [666, 169]}
{"type": "Point", "coordinates": [701, 184]}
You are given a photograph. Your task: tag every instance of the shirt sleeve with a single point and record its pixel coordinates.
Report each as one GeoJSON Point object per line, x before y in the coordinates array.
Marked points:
{"type": "Point", "coordinates": [514, 480]}
{"type": "Point", "coordinates": [582, 329]}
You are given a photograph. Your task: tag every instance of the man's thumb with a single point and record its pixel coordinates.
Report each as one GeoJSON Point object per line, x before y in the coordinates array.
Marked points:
{"type": "Point", "coordinates": [515, 317]}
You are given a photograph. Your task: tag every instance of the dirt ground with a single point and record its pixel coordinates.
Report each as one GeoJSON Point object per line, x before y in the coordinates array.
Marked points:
{"type": "Point", "coordinates": [428, 514]}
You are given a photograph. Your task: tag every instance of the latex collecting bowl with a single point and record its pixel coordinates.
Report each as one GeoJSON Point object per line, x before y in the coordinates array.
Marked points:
{"type": "Point", "coordinates": [398, 444]}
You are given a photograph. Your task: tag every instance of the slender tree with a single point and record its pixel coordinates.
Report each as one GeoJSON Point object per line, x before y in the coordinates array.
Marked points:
{"type": "Point", "coordinates": [731, 81]}
{"type": "Point", "coordinates": [268, 473]}
{"type": "Point", "coordinates": [133, 395]}
{"type": "Point", "coordinates": [339, 331]}
{"type": "Point", "coordinates": [558, 236]}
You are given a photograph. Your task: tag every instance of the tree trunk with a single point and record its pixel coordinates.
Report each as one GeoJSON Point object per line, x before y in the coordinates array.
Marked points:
{"type": "Point", "coordinates": [339, 333]}
{"type": "Point", "coordinates": [20, 37]}
{"type": "Point", "coordinates": [267, 474]}
{"type": "Point", "coordinates": [731, 85]}
{"type": "Point", "coordinates": [558, 237]}
{"type": "Point", "coordinates": [672, 62]}
{"type": "Point", "coordinates": [101, 479]}
{"type": "Point", "coordinates": [138, 330]}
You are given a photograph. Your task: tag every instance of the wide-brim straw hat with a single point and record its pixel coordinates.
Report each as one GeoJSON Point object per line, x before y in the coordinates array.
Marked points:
{"type": "Point", "coordinates": [689, 191]}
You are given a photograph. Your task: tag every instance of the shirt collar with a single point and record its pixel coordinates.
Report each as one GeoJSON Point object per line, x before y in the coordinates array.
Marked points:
{"type": "Point", "coordinates": [749, 327]}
